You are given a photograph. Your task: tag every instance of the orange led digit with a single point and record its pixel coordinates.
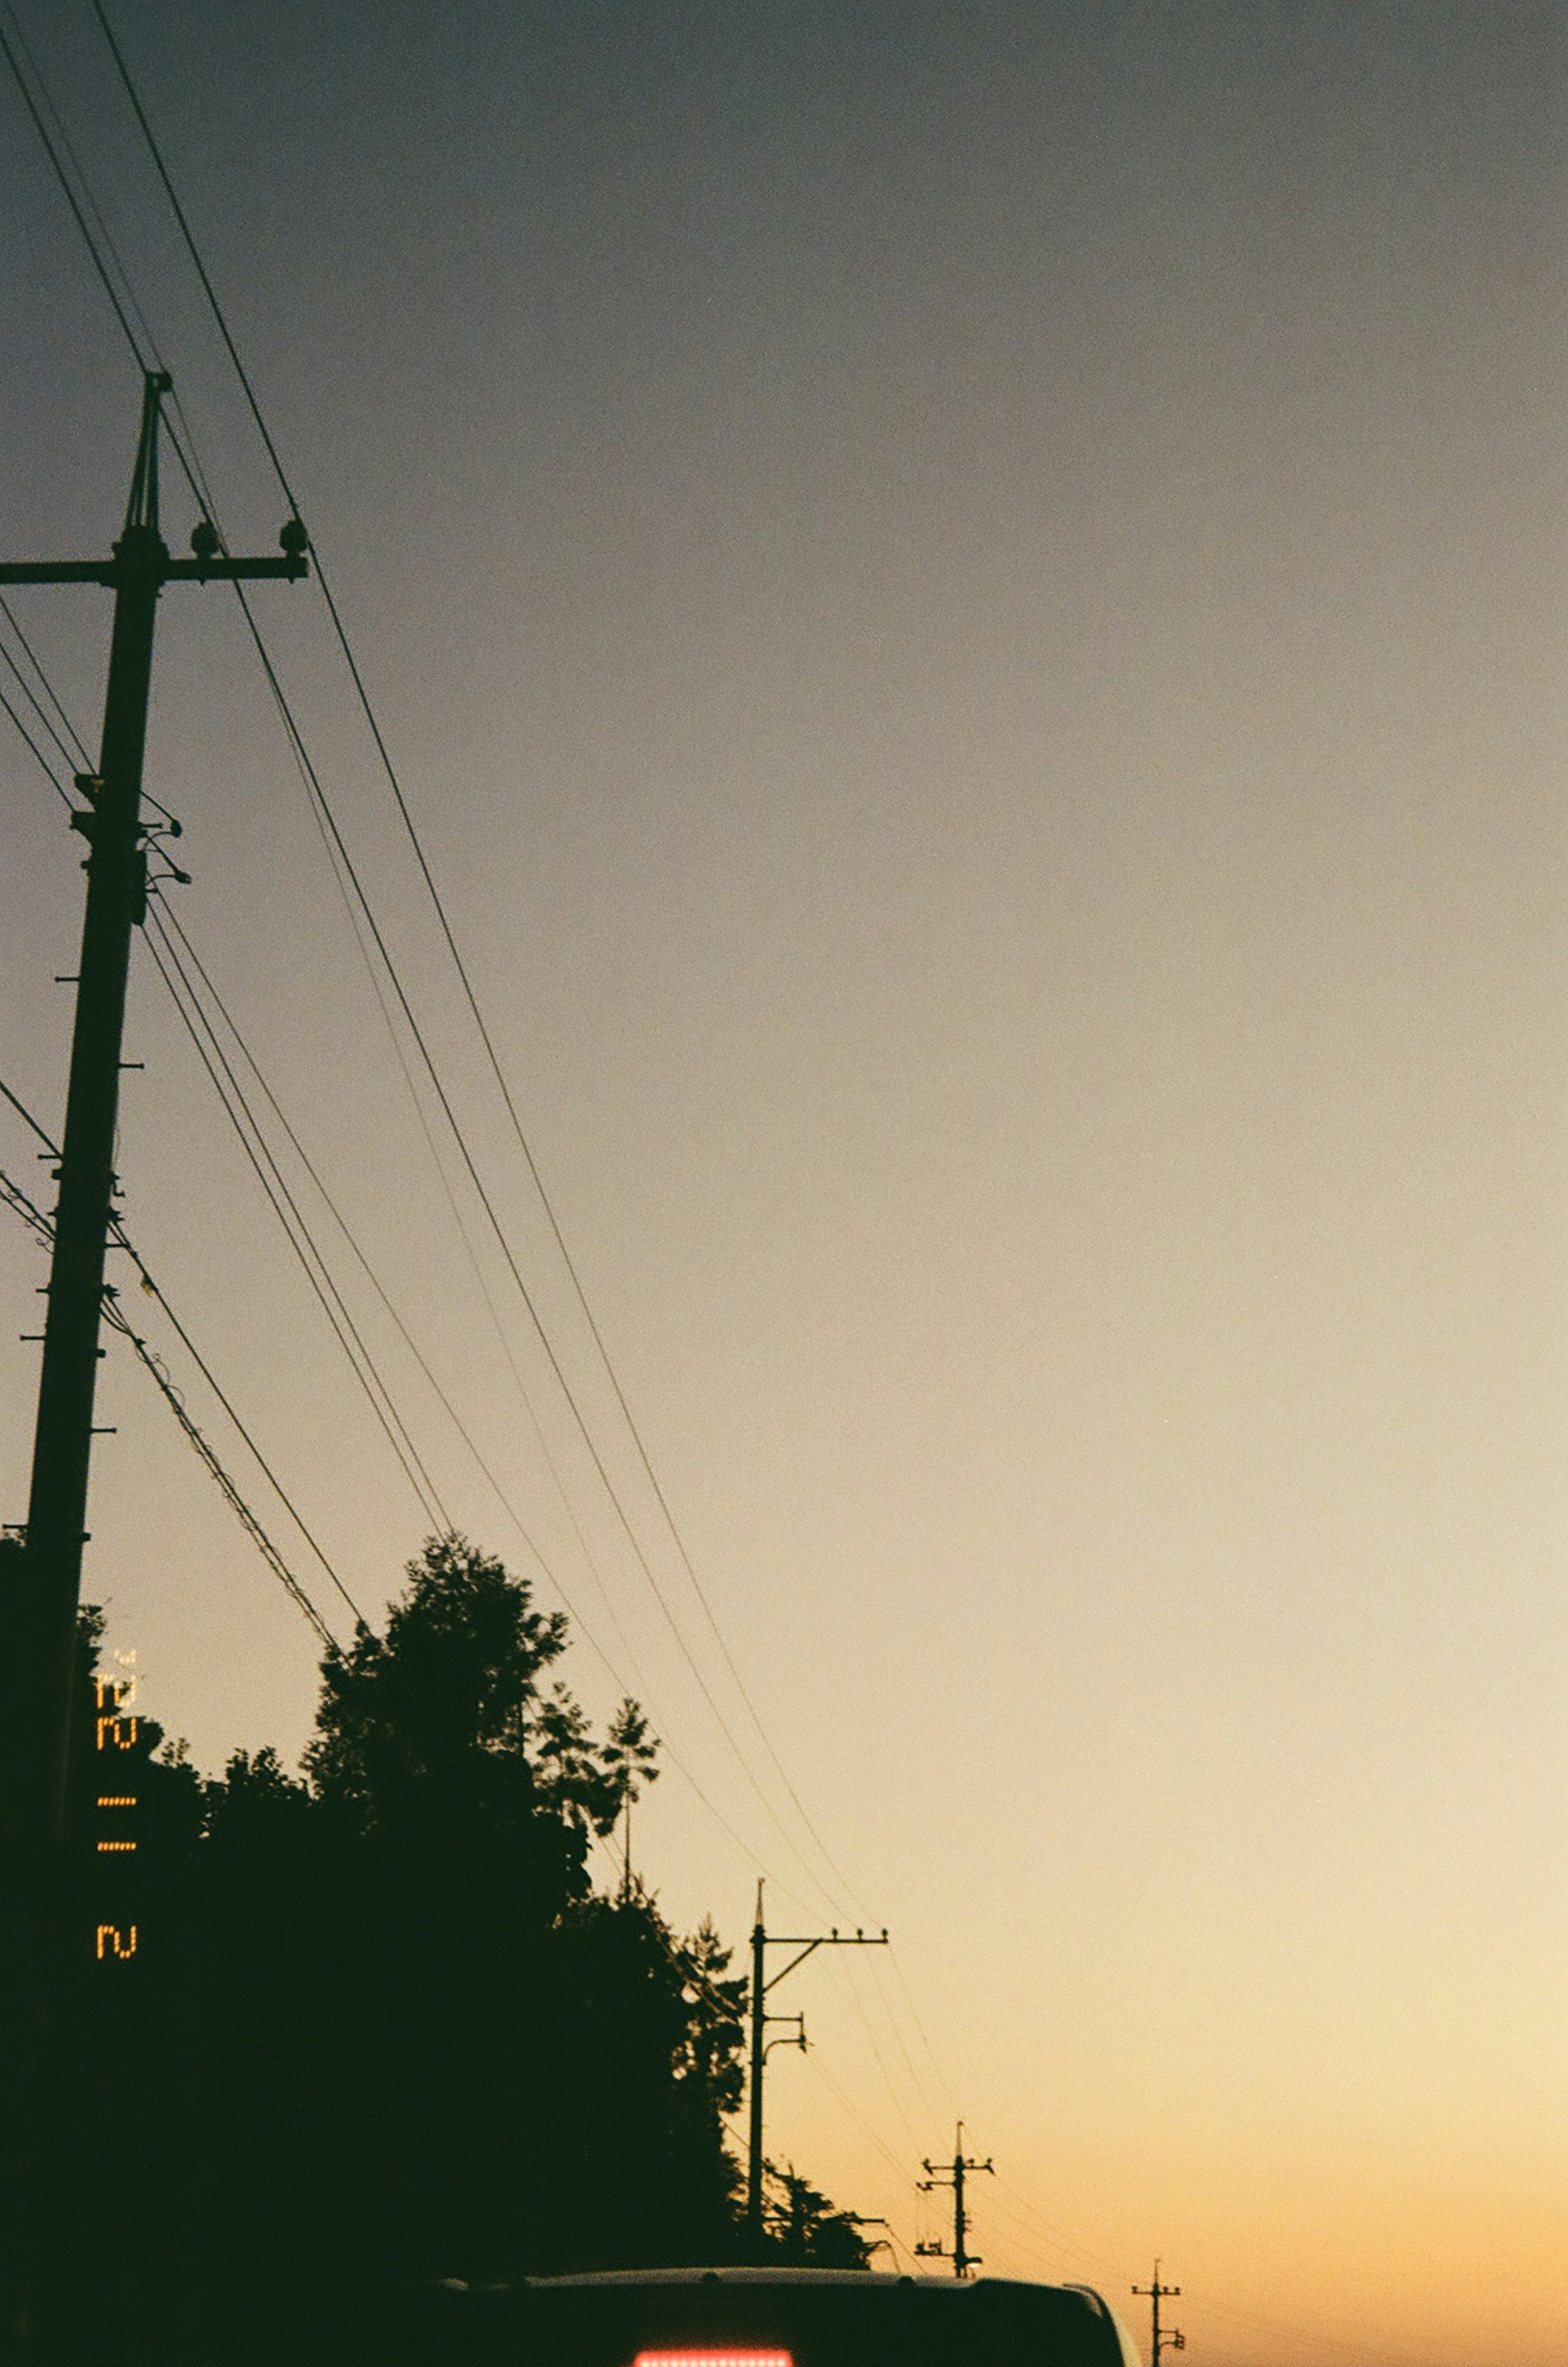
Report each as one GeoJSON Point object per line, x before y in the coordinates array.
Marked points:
{"type": "Point", "coordinates": [116, 1730]}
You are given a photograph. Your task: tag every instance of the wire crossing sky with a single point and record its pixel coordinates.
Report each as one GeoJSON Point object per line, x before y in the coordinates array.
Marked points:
{"type": "Point", "coordinates": [962, 610]}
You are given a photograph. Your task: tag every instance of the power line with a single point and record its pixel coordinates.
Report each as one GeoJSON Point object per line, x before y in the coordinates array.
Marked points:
{"type": "Point", "coordinates": [313, 782]}
{"type": "Point", "coordinates": [220, 320]}
{"type": "Point", "coordinates": [56, 780]}
{"type": "Point", "coordinates": [916, 2081]}
{"type": "Point", "coordinates": [32, 696]}
{"type": "Point", "coordinates": [122, 1241]}
{"type": "Point", "coordinates": [82, 757]}
{"type": "Point", "coordinates": [230, 1492]}
{"type": "Point", "coordinates": [318, 796]}
{"type": "Point", "coordinates": [17, 1199]}
{"type": "Point", "coordinates": [190, 464]}
{"type": "Point", "coordinates": [285, 1207]}
{"type": "Point", "coordinates": [192, 470]}
{"type": "Point", "coordinates": [169, 920]}
{"type": "Point", "coordinates": [544, 1447]}
{"type": "Point", "coordinates": [847, 1981]}
{"type": "Point", "coordinates": [748, 1854]}
{"type": "Point", "coordinates": [548, 1205]}
{"type": "Point", "coordinates": [63, 178]}
{"type": "Point", "coordinates": [847, 2103]}
{"type": "Point", "coordinates": [208, 290]}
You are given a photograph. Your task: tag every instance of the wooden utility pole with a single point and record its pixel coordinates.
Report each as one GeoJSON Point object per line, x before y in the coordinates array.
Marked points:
{"type": "Point", "coordinates": [762, 1941]}
{"type": "Point", "coordinates": [957, 2171]}
{"type": "Point", "coordinates": [1166, 2339]}
{"type": "Point", "coordinates": [41, 1617]}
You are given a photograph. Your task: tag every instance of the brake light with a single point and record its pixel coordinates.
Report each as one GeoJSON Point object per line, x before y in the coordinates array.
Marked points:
{"type": "Point", "coordinates": [714, 2359]}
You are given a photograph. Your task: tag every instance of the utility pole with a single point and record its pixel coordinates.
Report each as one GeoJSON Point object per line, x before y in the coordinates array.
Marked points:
{"type": "Point", "coordinates": [959, 2167]}
{"type": "Point", "coordinates": [1169, 2339]}
{"type": "Point", "coordinates": [762, 1941]}
{"type": "Point", "coordinates": [41, 1616]}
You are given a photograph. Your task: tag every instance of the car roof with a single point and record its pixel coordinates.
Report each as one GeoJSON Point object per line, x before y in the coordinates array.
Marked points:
{"type": "Point", "coordinates": [860, 2278]}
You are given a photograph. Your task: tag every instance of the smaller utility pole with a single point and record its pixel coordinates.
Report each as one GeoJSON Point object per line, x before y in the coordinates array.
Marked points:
{"type": "Point", "coordinates": [1168, 2339]}
{"type": "Point", "coordinates": [957, 2169]}
{"type": "Point", "coordinates": [762, 1941]}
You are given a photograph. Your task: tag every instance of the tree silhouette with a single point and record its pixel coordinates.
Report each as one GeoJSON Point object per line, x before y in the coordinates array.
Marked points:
{"type": "Point", "coordinates": [379, 2029]}
{"type": "Point", "coordinates": [629, 1757]}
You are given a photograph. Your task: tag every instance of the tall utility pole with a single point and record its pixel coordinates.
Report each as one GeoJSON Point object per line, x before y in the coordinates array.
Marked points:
{"type": "Point", "coordinates": [762, 1941]}
{"type": "Point", "coordinates": [1168, 2339]}
{"type": "Point", "coordinates": [957, 2170]}
{"type": "Point", "coordinates": [41, 1616]}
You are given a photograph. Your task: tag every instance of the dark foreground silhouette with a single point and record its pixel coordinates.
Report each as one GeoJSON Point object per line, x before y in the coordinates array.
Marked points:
{"type": "Point", "coordinates": [749, 2318]}
{"type": "Point", "coordinates": [315, 2043]}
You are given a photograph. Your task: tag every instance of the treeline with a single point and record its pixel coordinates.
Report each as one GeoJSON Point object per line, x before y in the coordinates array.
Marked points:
{"type": "Point", "coordinates": [376, 2025]}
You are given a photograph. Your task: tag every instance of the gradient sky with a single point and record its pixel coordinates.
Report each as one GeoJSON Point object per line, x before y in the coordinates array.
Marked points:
{"type": "Point", "coordinates": [969, 602]}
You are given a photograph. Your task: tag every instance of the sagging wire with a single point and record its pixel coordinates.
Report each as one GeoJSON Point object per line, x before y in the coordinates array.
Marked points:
{"type": "Point", "coordinates": [220, 320]}
{"type": "Point", "coordinates": [16, 1199]}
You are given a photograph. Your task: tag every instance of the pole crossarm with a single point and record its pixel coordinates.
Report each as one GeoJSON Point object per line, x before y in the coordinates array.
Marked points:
{"type": "Point", "coordinates": [107, 572]}
{"type": "Point", "coordinates": [809, 1947]}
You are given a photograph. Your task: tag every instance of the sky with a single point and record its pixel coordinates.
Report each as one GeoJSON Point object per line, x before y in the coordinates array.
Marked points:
{"type": "Point", "coordinates": [967, 603]}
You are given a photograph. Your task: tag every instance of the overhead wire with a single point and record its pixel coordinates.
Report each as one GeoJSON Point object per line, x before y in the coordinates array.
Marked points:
{"type": "Point", "coordinates": [269, 1175]}
{"type": "Point", "coordinates": [848, 2104]}
{"type": "Point", "coordinates": [189, 461]}
{"type": "Point", "coordinates": [135, 343]}
{"type": "Point", "coordinates": [548, 1205]}
{"type": "Point", "coordinates": [1374, 2353]}
{"type": "Point", "coordinates": [9, 53]}
{"type": "Point", "coordinates": [546, 1451]}
{"type": "Point", "coordinates": [167, 919]}
{"type": "Point", "coordinates": [154, 1289]}
{"type": "Point", "coordinates": [81, 758]}
{"type": "Point", "coordinates": [119, 307]}
{"type": "Point", "coordinates": [748, 1854]}
{"type": "Point", "coordinates": [31, 697]}
{"type": "Point", "coordinates": [916, 2082]}
{"type": "Point", "coordinates": [503, 1240]}
{"type": "Point", "coordinates": [196, 477]}
{"type": "Point", "coordinates": [847, 1980]}
{"type": "Point", "coordinates": [55, 782]}
{"type": "Point", "coordinates": [115, 1316]}
{"type": "Point", "coordinates": [121, 1241]}
{"type": "Point", "coordinates": [675, 1760]}
{"type": "Point", "coordinates": [133, 95]}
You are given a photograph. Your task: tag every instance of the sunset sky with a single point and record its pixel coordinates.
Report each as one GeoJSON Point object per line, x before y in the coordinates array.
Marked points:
{"type": "Point", "coordinates": [968, 602]}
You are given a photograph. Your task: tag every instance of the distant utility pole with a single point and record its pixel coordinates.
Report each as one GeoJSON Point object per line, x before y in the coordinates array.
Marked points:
{"type": "Point", "coordinates": [762, 1941]}
{"type": "Point", "coordinates": [957, 2170]}
{"type": "Point", "coordinates": [1159, 2340]}
{"type": "Point", "coordinates": [41, 1616]}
